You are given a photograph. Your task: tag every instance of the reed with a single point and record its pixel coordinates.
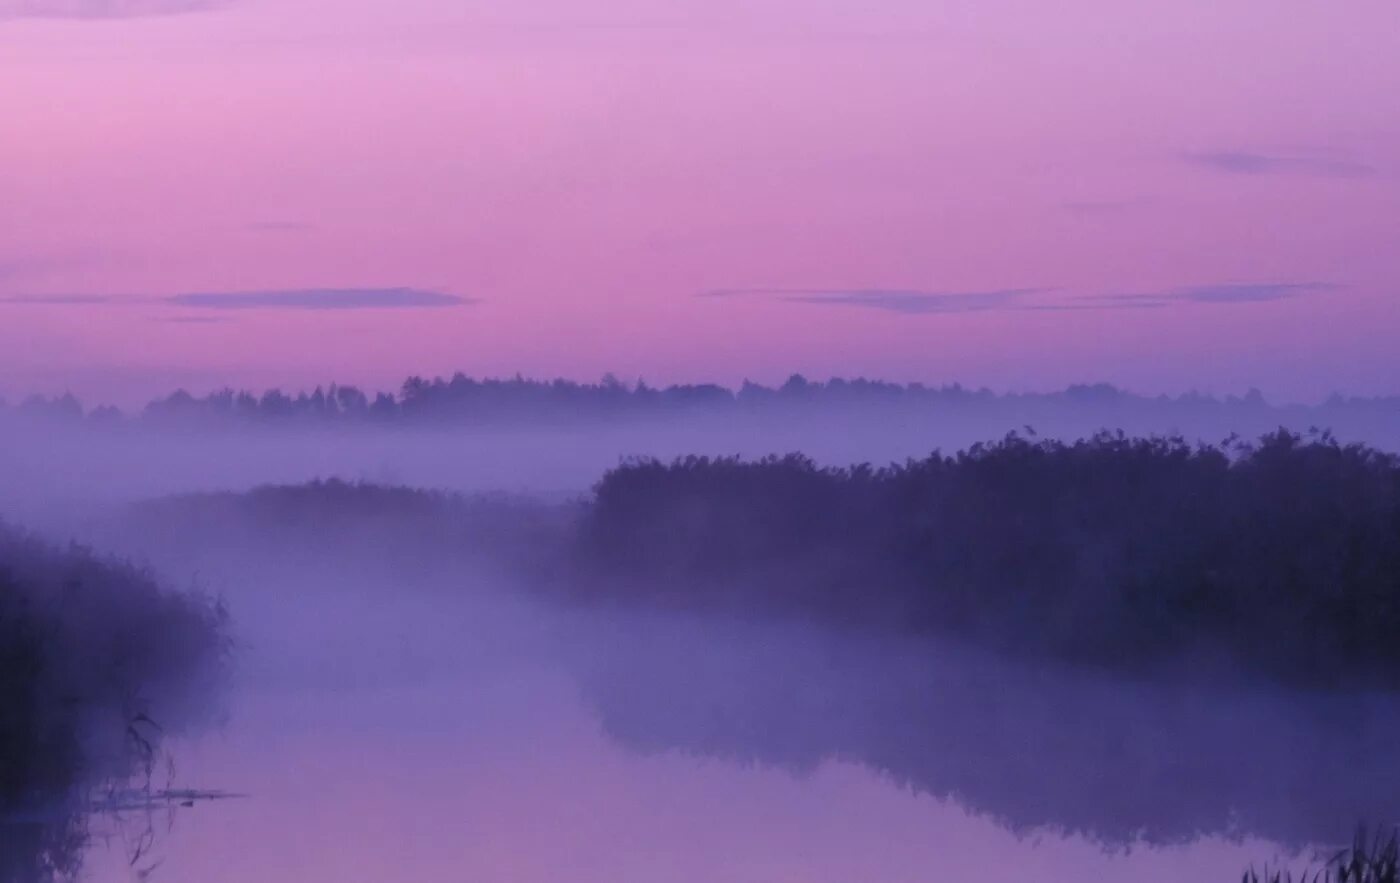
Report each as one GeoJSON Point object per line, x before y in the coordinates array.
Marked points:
{"type": "Point", "coordinates": [1373, 858]}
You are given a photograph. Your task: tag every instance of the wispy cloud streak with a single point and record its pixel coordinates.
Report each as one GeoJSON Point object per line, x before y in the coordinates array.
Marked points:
{"type": "Point", "coordinates": [321, 299]}
{"type": "Point", "coordinates": [1236, 162]}
{"type": "Point", "coordinates": [907, 301]}
{"type": "Point", "coordinates": [315, 299]}
{"type": "Point", "coordinates": [1223, 293]}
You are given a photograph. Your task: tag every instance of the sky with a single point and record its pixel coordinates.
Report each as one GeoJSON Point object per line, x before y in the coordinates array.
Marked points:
{"type": "Point", "coordinates": [1165, 196]}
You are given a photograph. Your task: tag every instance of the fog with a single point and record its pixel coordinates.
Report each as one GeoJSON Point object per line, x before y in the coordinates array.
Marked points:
{"type": "Point", "coordinates": [53, 461]}
{"type": "Point", "coordinates": [432, 727]}
{"type": "Point", "coordinates": [415, 695]}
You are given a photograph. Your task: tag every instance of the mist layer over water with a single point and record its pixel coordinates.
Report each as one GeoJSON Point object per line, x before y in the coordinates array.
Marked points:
{"type": "Point", "coordinates": [394, 736]}
{"type": "Point", "coordinates": [448, 724]}
{"type": "Point", "coordinates": [52, 465]}
{"type": "Point", "coordinates": [408, 705]}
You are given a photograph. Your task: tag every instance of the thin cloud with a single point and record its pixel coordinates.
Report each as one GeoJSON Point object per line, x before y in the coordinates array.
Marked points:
{"type": "Point", "coordinates": [1224, 293]}
{"type": "Point", "coordinates": [1254, 293]}
{"type": "Point", "coordinates": [1101, 305]}
{"type": "Point", "coordinates": [1236, 162]}
{"type": "Point", "coordinates": [906, 301]}
{"type": "Point", "coordinates": [278, 299]}
{"type": "Point", "coordinates": [917, 302]}
{"type": "Point", "coordinates": [101, 9]}
{"type": "Point", "coordinates": [321, 299]}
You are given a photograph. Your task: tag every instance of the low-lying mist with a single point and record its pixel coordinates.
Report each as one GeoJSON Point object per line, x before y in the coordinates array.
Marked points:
{"type": "Point", "coordinates": [1127, 640]}
{"type": "Point", "coordinates": [1131, 639]}
{"type": "Point", "coordinates": [555, 438]}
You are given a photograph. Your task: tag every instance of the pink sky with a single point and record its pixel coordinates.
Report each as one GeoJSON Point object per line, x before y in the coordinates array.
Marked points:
{"type": "Point", "coordinates": [579, 171]}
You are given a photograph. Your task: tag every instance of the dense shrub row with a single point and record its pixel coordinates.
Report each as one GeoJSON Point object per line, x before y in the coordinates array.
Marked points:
{"type": "Point", "coordinates": [1283, 554]}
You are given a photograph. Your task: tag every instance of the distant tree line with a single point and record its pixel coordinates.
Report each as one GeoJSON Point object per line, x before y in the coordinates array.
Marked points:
{"type": "Point", "coordinates": [465, 400]}
{"type": "Point", "coordinates": [1282, 556]}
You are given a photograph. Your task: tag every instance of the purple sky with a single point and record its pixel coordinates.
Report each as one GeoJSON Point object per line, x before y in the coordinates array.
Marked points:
{"type": "Point", "coordinates": [1003, 192]}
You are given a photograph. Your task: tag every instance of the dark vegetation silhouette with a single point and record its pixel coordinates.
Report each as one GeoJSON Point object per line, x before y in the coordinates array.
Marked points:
{"type": "Point", "coordinates": [98, 664]}
{"type": "Point", "coordinates": [1281, 556]}
{"type": "Point", "coordinates": [949, 590]}
{"type": "Point", "coordinates": [1369, 860]}
{"type": "Point", "coordinates": [460, 400]}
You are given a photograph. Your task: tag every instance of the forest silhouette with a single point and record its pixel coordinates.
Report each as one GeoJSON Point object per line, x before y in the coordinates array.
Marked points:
{"type": "Point", "coordinates": [461, 400]}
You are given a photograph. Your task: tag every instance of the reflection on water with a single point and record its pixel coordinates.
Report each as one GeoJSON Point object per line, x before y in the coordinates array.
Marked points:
{"type": "Point", "coordinates": [1038, 749]}
{"type": "Point", "coordinates": [511, 789]}
{"type": "Point", "coordinates": [48, 842]}
{"type": "Point", "coordinates": [402, 733]}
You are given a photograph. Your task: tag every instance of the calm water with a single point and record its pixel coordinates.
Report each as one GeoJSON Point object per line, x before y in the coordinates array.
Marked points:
{"type": "Point", "coordinates": [408, 733]}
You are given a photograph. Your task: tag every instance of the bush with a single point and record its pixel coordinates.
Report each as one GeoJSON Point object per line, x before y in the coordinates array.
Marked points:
{"type": "Point", "coordinates": [1368, 861]}
{"type": "Point", "coordinates": [97, 664]}
{"type": "Point", "coordinates": [1283, 555]}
